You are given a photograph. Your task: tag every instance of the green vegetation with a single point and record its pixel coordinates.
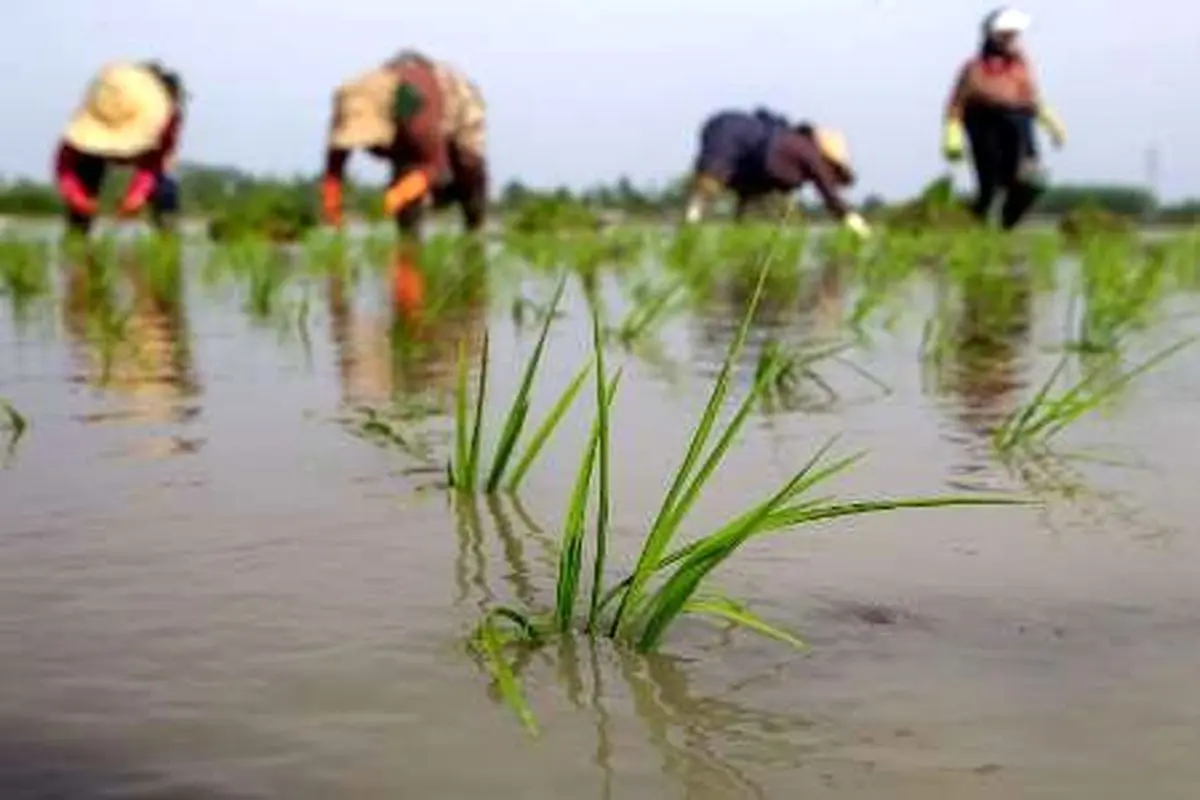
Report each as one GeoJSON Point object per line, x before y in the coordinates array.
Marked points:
{"type": "Point", "coordinates": [1047, 414]}
{"type": "Point", "coordinates": [237, 203]}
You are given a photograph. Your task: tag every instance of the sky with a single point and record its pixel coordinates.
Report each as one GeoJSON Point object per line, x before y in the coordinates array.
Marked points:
{"type": "Point", "coordinates": [583, 92]}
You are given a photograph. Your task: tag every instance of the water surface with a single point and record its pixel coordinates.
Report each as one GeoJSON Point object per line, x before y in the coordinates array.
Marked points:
{"type": "Point", "coordinates": [211, 588]}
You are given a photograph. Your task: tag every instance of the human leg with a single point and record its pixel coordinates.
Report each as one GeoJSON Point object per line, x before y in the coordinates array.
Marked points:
{"type": "Point", "coordinates": [1021, 174]}
{"type": "Point", "coordinates": [987, 160]}
{"type": "Point", "coordinates": [469, 186]}
{"type": "Point", "coordinates": [715, 163]}
{"type": "Point", "coordinates": [164, 202]}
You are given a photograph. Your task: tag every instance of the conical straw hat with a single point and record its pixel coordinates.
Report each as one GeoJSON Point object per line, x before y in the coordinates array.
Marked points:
{"type": "Point", "coordinates": [832, 145]}
{"type": "Point", "coordinates": [362, 111]}
{"type": "Point", "coordinates": [123, 114]}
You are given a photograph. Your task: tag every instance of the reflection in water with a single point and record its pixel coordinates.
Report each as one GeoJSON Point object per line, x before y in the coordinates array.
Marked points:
{"type": "Point", "coordinates": [129, 334]}
{"type": "Point", "coordinates": [793, 306]}
{"type": "Point", "coordinates": [986, 360]}
{"type": "Point", "coordinates": [694, 734]}
{"type": "Point", "coordinates": [798, 318]}
{"type": "Point", "coordinates": [413, 346]}
{"type": "Point", "coordinates": [470, 566]}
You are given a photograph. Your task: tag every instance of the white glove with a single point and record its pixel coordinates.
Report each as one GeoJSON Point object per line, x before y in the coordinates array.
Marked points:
{"type": "Point", "coordinates": [856, 223]}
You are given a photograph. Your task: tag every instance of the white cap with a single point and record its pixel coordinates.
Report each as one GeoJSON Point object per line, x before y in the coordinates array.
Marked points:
{"type": "Point", "coordinates": [1006, 20]}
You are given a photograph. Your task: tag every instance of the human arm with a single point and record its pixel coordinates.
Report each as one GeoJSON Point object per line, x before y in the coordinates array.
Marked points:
{"type": "Point", "coordinates": [149, 168]}
{"type": "Point", "coordinates": [70, 187]}
{"type": "Point", "coordinates": [1046, 114]}
{"type": "Point", "coordinates": [825, 180]}
{"type": "Point", "coordinates": [1052, 123]}
{"type": "Point", "coordinates": [953, 135]}
{"type": "Point", "coordinates": [805, 158]}
{"type": "Point", "coordinates": [331, 184]}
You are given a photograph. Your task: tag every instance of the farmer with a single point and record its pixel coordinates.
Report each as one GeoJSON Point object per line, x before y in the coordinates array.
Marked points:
{"type": "Point", "coordinates": [427, 120]}
{"type": "Point", "coordinates": [759, 153]}
{"type": "Point", "coordinates": [994, 105]}
{"type": "Point", "coordinates": [131, 116]}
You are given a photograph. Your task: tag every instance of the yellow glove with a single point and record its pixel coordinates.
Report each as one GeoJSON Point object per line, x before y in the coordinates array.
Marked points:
{"type": "Point", "coordinates": [952, 140]}
{"type": "Point", "coordinates": [1053, 125]}
{"type": "Point", "coordinates": [404, 192]}
{"type": "Point", "coordinates": [856, 223]}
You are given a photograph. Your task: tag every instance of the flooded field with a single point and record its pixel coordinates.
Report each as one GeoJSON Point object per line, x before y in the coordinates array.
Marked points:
{"type": "Point", "coordinates": [231, 566]}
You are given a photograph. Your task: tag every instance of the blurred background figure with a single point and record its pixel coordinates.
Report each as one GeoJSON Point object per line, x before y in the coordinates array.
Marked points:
{"type": "Point", "coordinates": [759, 153]}
{"type": "Point", "coordinates": [427, 120]}
{"type": "Point", "coordinates": [131, 115]}
{"type": "Point", "coordinates": [994, 105]}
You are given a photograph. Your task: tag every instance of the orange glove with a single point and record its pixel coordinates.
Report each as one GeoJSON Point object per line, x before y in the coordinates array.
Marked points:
{"type": "Point", "coordinates": [331, 200]}
{"type": "Point", "coordinates": [76, 197]}
{"type": "Point", "coordinates": [140, 189]}
{"type": "Point", "coordinates": [404, 192]}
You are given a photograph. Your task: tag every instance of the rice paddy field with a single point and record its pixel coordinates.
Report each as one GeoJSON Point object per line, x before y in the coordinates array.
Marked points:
{"type": "Point", "coordinates": [737, 512]}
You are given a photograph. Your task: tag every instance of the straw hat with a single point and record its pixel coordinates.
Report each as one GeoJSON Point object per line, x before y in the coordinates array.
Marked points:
{"type": "Point", "coordinates": [362, 111]}
{"type": "Point", "coordinates": [123, 114]}
{"type": "Point", "coordinates": [832, 145]}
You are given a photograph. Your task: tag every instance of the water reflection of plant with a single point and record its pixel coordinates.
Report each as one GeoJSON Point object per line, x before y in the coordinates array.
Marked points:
{"type": "Point", "coordinates": [127, 319]}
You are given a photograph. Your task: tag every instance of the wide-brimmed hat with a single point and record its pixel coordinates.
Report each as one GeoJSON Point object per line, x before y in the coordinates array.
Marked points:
{"type": "Point", "coordinates": [362, 111]}
{"type": "Point", "coordinates": [124, 112]}
{"type": "Point", "coordinates": [833, 147]}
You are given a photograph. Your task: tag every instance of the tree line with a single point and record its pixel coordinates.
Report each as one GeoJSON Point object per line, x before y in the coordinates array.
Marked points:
{"type": "Point", "coordinates": [215, 190]}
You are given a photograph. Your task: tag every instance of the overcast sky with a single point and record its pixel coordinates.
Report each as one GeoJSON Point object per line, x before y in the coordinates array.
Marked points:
{"type": "Point", "coordinates": [584, 91]}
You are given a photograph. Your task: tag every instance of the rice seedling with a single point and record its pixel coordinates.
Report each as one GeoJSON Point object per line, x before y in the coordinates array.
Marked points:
{"type": "Point", "coordinates": [394, 427]}
{"type": "Point", "coordinates": [668, 581]}
{"type": "Point", "coordinates": [789, 372]}
{"type": "Point", "coordinates": [24, 270]}
{"type": "Point", "coordinates": [1048, 413]}
{"type": "Point", "coordinates": [13, 425]}
{"type": "Point", "coordinates": [1119, 289]}
{"type": "Point", "coordinates": [455, 273]}
{"type": "Point", "coordinates": [464, 469]}
{"type": "Point", "coordinates": [652, 305]}
{"type": "Point", "coordinates": [526, 310]}
{"type": "Point", "coordinates": [262, 268]}
{"type": "Point", "coordinates": [1181, 257]}
{"type": "Point", "coordinates": [324, 254]}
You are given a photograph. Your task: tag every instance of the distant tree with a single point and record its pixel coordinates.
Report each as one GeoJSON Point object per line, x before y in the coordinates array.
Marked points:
{"type": "Point", "coordinates": [1129, 200]}
{"type": "Point", "coordinates": [514, 193]}
{"type": "Point", "coordinates": [872, 203]}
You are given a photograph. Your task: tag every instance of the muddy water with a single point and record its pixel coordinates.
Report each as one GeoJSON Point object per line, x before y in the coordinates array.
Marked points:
{"type": "Point", "coordinates": [211, 588]}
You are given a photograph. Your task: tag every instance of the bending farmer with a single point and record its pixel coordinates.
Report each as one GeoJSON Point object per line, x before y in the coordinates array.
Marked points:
{"type": "Point", "coordinates": [427, 121]}
{"type": "Point", "coordinates": [994, 105]}
{"type": "Point", "coordinates": [131, 115]}
{"type": "Point", "coordinates": [757, 154]}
